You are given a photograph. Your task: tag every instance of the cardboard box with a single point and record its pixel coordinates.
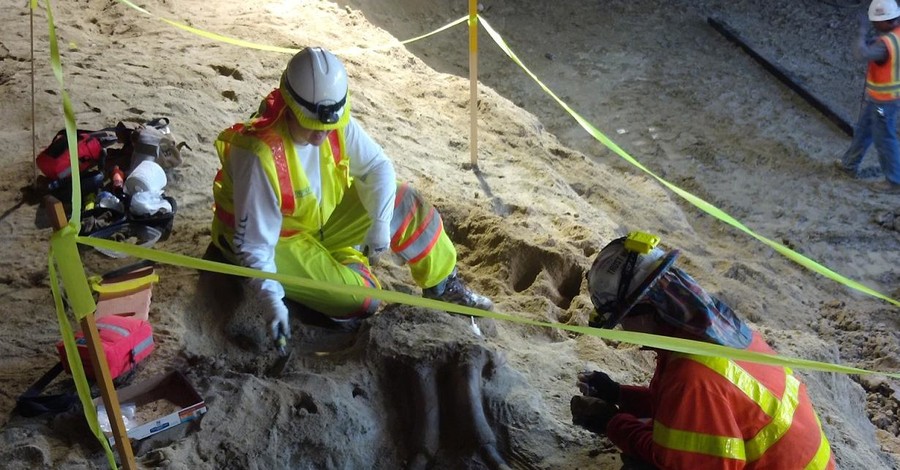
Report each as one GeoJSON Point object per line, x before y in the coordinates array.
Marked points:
{"type": "Point", "coordinates": [166, 408]}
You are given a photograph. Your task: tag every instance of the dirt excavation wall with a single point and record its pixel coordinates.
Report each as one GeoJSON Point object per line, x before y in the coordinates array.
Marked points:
{"type": "Point", "coordinates": [418, 388]}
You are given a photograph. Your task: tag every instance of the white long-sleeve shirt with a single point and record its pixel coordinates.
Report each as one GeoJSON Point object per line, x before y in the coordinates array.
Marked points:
{"type": "Point", "coordinates": [258, 215]}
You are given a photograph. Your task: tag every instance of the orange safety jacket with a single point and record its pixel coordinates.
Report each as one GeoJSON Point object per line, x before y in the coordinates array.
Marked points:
{"type": "Point", "coordinates": [883, 80]}
{"type": "Point", "coordinates": [267, 136]}
{"type": "Point", "coordinates": [714, 413]}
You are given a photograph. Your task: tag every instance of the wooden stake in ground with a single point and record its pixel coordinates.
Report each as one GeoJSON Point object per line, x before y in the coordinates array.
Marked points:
{"type": "Point", "coordinates": [473, 82]}
{"type": "Point", "coordinates": [98, 358]}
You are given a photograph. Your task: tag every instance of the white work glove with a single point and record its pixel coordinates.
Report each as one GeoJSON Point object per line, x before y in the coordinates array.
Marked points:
{"type": "Point", "coordinates": [378, 240]}
{"type": "Point", "coordinates": [277, 317]}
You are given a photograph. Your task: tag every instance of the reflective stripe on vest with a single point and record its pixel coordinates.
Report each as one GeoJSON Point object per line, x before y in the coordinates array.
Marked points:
{"type": "Point", "coordinates": [883, 80]}
{"type": "Point", "coordinates": [780, 410]}
{"type": "Point", "coordinates": [426, 232]}
{"type": "Point", "coordinates": [275, 143]}
{"type": "Point", "coordinates": [823, 454]}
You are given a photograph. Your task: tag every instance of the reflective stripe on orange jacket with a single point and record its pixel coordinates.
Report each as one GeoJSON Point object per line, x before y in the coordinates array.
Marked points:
{"type": "Point", "coordinates": [713, 413]}
{"type": "Point", "coordinates": [883, 80]}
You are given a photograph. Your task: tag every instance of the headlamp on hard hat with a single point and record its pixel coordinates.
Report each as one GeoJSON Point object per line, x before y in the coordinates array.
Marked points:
{"type": "Point", "coordinates": [611, 280]}
{"type": "Point", "coordinates": [314, 87]}
{"type": "Point", "coordinates": [641, 242]}
{"type": "Point", "coordinates": [328, 112]}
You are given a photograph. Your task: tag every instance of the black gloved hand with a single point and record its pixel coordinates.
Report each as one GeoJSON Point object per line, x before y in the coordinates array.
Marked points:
{"type": "Point", "coordinates": [591, 413]}
{"type": "Point", "coordinates": [598, 385]}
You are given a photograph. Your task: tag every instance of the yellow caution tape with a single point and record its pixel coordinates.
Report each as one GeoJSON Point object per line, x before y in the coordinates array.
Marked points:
{"type": "Point", "coordinates": [72, 139]}
{"type": "Point", "coordinates": [358, 50]}
{"type": "Point", "coordinates": [653, 341]}
{"type": "Point", "coordinates": [213, 36]}
{"type": "Point", "coordinates": [72, 264]}
{"type": "Point", "coordinates": [696, 201]}
{"type": "Point", "coordinates": [65, 251]}
{"type": "Point", "coordinates": [82, 386]}
{"type": "Point", "coordinates": [287, 50]}
{"type": "Point", "coordinates": [62, 242]}
{"type": "Point", "coordinates": [99, 287]}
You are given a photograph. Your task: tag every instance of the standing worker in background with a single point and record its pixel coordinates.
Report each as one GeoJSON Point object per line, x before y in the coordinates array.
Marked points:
{"type": "Point", "coordinates": [878, 118]}
{"type": "Point", "coordinates": [302, 186]}
{"type": "Point", "coordinates": [698, 411]}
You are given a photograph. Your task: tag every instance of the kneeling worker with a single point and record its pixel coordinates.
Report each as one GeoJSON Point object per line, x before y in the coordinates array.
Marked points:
{"type": "Point", "coordinates": [698, 411]}
{"type": "Point", "coordinates": [302, 186]}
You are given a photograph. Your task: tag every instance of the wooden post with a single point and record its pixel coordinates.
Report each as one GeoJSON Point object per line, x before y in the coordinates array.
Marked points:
{"type": "Point", "coordinates": [34, 169]}
{"type": "Point", "coordinates": [473, 81]}
{"type": "Point", "coordinates": [98, 358]}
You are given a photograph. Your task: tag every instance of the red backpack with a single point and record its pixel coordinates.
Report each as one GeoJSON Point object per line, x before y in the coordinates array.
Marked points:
{"type": "Point", "coordinates": [126, 341]}
{"type": "Point", "coordinates": [53, 161]}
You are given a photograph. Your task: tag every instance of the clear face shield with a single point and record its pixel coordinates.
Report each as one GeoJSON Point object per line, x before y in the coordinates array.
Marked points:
{"type": "Point", "coordinates": [609, 311]}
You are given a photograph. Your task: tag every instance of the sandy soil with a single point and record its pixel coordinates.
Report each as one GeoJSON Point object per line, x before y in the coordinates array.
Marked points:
{"type": "Point", "coordinates": [660, 82]}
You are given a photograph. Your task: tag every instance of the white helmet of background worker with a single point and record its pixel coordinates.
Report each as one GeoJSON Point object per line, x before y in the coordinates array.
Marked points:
{"type": "Point", "coordinates": [314, 86]}
{"type": "Point", "coordinates": [883, 10]}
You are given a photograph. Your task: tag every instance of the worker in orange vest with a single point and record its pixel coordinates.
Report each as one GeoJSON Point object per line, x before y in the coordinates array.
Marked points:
{"type": "Point", "coordinates": [877, 121]}
{"type": "Point", "coordinates": [698, 411]}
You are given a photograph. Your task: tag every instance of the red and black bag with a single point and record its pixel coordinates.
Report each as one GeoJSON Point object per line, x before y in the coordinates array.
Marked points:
{"type": "Point", "coordinates": [126, 341]}
{"type": "Point", "coordinates": [53, 161]}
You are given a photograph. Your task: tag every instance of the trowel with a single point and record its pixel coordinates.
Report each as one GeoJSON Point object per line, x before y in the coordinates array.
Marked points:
{"type": "Point", "coordinates": [284, 355]}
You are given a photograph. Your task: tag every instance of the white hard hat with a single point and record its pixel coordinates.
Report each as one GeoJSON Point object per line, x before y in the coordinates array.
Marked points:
{"type": "Point", "coordinates": [314, 86]}
{"type": "Point", "coordinates": [619, 277]}
{"type": "Point", "coordinates": [883, 10]}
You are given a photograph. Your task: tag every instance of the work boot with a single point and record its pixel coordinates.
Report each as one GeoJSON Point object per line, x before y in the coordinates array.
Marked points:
{"type": "Point", "coordinates": [455, 291]}
{"type": "Point", "coordinates": [887, 187]}
{"type": "Point", "coordinates": [839, 166]}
